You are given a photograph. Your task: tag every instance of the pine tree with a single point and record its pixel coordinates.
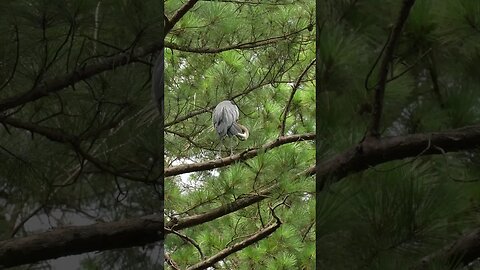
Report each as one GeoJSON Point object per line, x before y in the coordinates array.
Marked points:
{"type": "Point", "coordinates": [253, 209]}
{"type": "Point", "coordinates": [80, 146]}
{"type": "Point", "coordinates": [397, 134]}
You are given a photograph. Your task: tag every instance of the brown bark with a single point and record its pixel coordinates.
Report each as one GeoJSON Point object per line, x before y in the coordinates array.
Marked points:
{"type": "Point", "coordinates": [371, 151]}
{"type": "Point", "coordinates": [80, 239]}
{"type": "Point", "coordinates": [208, 165]}
{"type": "Point", "coordinates": [384, 67]}
{"type": "Point", "coordinates": [226, 209]}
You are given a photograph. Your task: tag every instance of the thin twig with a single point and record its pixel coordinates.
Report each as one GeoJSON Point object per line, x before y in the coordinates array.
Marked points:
{"type": "Point", "coordinates": [188, 239]}
{"type": "Point", "coordinates": [292, 94]}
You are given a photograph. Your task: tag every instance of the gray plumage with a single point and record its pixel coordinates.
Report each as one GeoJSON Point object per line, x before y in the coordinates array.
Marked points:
{"type": "Point", "coordinates": [225, 117]}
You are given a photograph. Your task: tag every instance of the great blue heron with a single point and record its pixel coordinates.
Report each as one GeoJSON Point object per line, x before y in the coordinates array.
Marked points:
{"type": "Point", "coordinates": [225, 117]}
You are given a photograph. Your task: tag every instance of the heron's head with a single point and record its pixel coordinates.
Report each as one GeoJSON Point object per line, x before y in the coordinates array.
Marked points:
{"type": "Point", "coordinates": [244, 135]}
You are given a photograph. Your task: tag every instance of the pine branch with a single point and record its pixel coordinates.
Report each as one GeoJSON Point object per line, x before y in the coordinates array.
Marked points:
{"type": "Point", "coordinates": [292, 94]}
{"type": "Point", "coordinates": [259, 2]}
{"type": "Point", "coordinates": [186, 239]}
{"type": "Point", "coordinates": [80, 239]}
{"type": "Point", "coordinates": [257, 196]}
{"type": "Point", "coordinates": [241, 46]}
{"type": "Point", "coordinates": [247, 154]}
{"type": "Point", "coordinates": [182, 223]}
{"type": "Point", "coordinates": [53, 85]}
{"type": "Point", "coordinates": [170, 22]}
{"type": "Point", "coordinates": [373, 152]}
{"type": "Point", "coordinates": [171, 262]}
{"type": "Point", "coordinates": [61, 136]}
{"type": "Point", "coordinates": [210, 108]}
{"type": "Point", "coordinates": [384, 68]}
{"type": "Point", "coordinates": [263, 233]}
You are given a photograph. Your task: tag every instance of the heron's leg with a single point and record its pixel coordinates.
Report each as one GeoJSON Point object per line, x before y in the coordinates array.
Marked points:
{"type": "Point", "coordinates": [234, 143]}
{"type": "Point", "coordinates": [220, 148]}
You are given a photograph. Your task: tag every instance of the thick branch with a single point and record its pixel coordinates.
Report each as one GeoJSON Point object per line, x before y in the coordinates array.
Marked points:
{"type": "Point", "coordinates": [179, 224]}
{"type": "Point", "coordinates": [371, 152]}
{"type": "Point", "coordinates": [387, 59]}
{"type": "Point", "coordinates": [59, 82]}
{"type": "Point", "coordinates": [247, 154]}
{"type": "Point", "coordinates": [81, 239]}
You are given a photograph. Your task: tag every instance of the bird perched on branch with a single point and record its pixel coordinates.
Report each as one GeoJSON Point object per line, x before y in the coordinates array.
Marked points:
{"type": "Point", "coordinates": [225, 121]}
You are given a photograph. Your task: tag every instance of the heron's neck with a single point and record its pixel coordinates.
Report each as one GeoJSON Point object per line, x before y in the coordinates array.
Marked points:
{"type": "Point", "coordinates": [243, 136]}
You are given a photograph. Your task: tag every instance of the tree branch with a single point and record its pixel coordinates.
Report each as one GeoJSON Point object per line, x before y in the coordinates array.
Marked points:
{"type": "Point", "coordinates": [171, 262]}
{"type": "Point", "coordinates": [80, 239]}
{"type": "Point", "coordinates": [190, 221]}
{"type": "Point", "coordinates": [373, 152]}
{"type": "Point", "coordinates": [292, 94]}
{"type": "Point", "coordinates": [187, 239]}
{"type": "Point", "coordinates": [263, 233]}
{"type": "Point", "coordinates": [210, 108]}
{"type": "Point", "coordinates": [247, 45]}
{"type": "Point", "coordinates": [381, 85]}
{"type": "Point", "coordinates": [58, 135]}
{"type": "Point", "coordinates": [58, 83]}
{"type": "Point", "coordinates": [247, 200]}
{"type": "Point", "coordinates": [53, 134]}
{"type": "Point", "coordinates": [247, 154]}
{"type": "Point", "coordinates": [170, 23]}
{"type": "Point", "coordinates": [259, 2]}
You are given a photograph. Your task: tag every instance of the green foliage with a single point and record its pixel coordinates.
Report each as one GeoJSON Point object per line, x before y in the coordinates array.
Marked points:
{"type": "Point", "coordinates": [110, 112]}
{"type": "Point", "coordinates": [260, 79]}
{"type": "Point", "coordinates": [392, 215]}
